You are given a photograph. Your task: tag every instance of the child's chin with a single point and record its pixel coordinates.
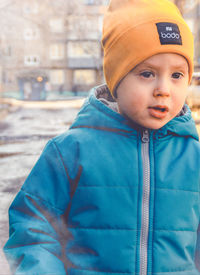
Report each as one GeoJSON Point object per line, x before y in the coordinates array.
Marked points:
{"type": "Point", "coordinates": [154, 126]}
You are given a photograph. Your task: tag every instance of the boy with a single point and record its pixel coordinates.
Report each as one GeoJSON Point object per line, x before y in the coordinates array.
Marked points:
{"type": "Point", "coordinates": [119, 192]}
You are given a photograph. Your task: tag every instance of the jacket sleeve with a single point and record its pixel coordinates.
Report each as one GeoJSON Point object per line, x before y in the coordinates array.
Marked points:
{"type": "Point", "coordinates": [197, 254]}
{"type": "Point", "coordinates": [38, 218]}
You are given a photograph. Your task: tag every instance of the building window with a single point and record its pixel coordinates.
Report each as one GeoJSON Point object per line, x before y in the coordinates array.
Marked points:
{"type": "Point", "coordinates": [84, 77]}
{"type": "Point", "coordinates": [31, 60]}
{"type": "Point", "coordinates": [85, 27]}
{"type": "Point", "coordinates": [190, 23]}
{"type": "Point", "coordinates": [92, 2]}
{"type": "Point", "coordinates": [83, 49]}
{"type": "Point", "coordinates": [6, 77]}
{"type": "Point", "coordinates": [105, 2]}
{"type": "Point", "coordinates": [95, 2]}
{"type": "Point", "coordinates": [56, 25]}
{"type": "Point", "coordinates": [89, 2]}
{"type": "Point", "coordinates": [100, 24]}
{"type": "Point", "coordinates": [30, 8]}
{"type": "Point", "coordinates": [57, 51]}
{"type": "Point", "coordinates": [189, 4]}
{"type": "Point", "coordinates": [7, 51]}
{"type": "Point", "coordinates": [57, 77]}
{"type": "Point", "coordinates": [31, 34]}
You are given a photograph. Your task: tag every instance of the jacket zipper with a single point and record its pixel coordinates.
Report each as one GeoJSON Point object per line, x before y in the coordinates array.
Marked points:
{"type": "Point", "coordinates": [145, 203]}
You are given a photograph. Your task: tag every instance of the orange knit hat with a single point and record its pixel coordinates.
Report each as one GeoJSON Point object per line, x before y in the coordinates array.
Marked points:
{"type": "Point", "coordinates": [134, 30]}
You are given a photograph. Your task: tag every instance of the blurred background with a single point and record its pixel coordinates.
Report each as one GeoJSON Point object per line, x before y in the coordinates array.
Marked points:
{"type": "Point", "coordinates": [50, 57]}
{"type": "Point", "coordinates": [51, 49]}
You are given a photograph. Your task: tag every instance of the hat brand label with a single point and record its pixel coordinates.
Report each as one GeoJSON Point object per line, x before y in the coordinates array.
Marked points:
{"type": "Point", "coordinates": [169, 33]}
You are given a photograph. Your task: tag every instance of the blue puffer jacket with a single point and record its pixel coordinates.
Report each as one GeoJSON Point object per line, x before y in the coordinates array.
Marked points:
{"type": "Point", "coordinates": [110, 198]}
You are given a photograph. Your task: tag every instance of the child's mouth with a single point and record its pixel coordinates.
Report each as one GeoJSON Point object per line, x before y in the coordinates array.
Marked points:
{"type": "Point", "coordinates": [158, 111]}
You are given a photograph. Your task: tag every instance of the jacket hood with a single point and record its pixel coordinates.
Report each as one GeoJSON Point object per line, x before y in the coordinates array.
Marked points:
{"type": "Point", "coordinates": [100, 112]}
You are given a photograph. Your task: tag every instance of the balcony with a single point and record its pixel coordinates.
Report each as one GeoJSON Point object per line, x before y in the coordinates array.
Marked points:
{"type": "Point", "coordinates": [84, 63]}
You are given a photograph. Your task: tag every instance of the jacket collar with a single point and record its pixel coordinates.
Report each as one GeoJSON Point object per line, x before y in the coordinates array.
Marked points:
{"type": "Point", "coordinates": [100, 111]}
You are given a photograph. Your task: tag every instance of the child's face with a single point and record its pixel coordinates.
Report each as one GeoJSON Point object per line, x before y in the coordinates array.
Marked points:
{"type": "Point", "coordinates": [154, 92]}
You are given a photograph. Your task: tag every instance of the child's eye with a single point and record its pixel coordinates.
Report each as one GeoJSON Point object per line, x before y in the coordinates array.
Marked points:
{"type": "Point", "coordinates": [147, 74]}
{"type": "Point", "coordinates": [177, 75]}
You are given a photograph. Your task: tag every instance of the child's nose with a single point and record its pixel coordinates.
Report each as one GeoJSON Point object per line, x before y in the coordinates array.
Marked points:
{"type": "Point", "coordinates": [162, 89]}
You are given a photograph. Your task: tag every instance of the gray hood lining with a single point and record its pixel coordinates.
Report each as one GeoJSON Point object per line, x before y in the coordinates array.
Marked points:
{"type": "Point", "coordinates": [103, 94]}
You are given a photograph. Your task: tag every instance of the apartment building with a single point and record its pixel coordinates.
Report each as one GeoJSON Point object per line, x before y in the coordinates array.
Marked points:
{"type": "Point", "coordinates": [191, 13]}
{"type": "Point", "coordinates": [55, 45]}
{"type": "Point", "coordinates": [190, 10]}
{"type": "Point", "coordinates": [50, 46]}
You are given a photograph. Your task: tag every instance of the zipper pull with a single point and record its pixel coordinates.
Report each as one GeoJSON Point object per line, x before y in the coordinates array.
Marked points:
{"type": "Point", "coordinates": [145, 136]}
